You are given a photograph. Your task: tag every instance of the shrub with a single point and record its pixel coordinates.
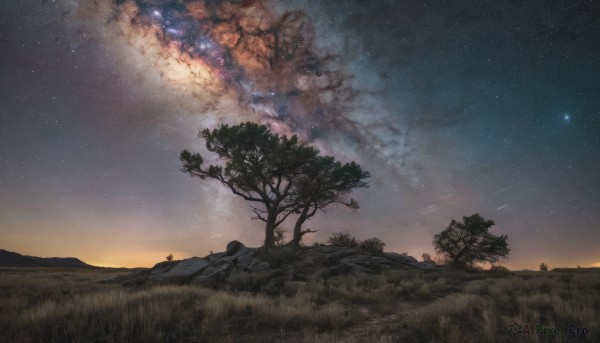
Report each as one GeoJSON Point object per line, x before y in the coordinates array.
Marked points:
{"type": "Point", "coordinates": [343, 239]}
{"type": "Point", "coordinates": [498, 269]}
{"type": "Point", "coordinates": [373, 245]}
{"type": "Point", "coordinates": [543, 267]}
{"type": "Point", "coordinates": [428, 259]}
{"type": "Point", "coordinates": [279, 237]}
{"type": "Point", "coordinates": [170, 257]}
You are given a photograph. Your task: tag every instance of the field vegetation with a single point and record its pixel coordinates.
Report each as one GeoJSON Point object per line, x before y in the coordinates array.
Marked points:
{"type": "Point", "coordinates": [69, 305]}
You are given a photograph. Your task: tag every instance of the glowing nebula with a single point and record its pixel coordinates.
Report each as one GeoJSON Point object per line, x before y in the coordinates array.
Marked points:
{"type": "Point", "coordinates": [263, 66]}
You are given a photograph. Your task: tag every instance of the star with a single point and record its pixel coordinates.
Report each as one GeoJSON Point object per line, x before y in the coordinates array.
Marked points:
{"type": "Point", "coordinates": [566, 117]}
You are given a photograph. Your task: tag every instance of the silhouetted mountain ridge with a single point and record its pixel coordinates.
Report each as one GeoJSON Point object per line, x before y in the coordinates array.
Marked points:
{"type": "Point", "coordinates": [13, 259]}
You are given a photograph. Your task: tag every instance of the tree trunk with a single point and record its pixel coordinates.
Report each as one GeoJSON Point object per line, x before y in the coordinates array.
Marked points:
{"type": "Point", "coordinates": [270, 230]}
{"type": "Point", "coordinates": [298, 228]}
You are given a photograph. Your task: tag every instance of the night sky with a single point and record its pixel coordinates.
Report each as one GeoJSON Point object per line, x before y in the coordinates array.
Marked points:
{"type": "Point", "coordinates": [455, 107]}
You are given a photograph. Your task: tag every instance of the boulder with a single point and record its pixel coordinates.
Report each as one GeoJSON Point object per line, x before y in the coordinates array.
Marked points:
{"type": "Point", "coordinates": [212, 274]}
{"type": "Point", "coordinates": [324, 261]}
{"type": "Point", "coordinates": [216, 256]}
{"type": "Point", "coordinates": [233, 247]}
{"type": "Point", "coordinates": [225, 259]}
{"type": "Point", "coordinates": [425, 266]}
{"type": "Point", "coordinates": [260, 267]}
{"type": "Point", "coordinates": [243, 251]}
{"type": "Point", "coordinates": [161, 268]}
{"type": "Point", "coordinates": [245, 260]}
{"type": "Point", "coordinates": [179, 269]}
{"type": "Point", "coordinates": [210, 279]}
{"type": "Point", "coordinates": [401, 258]}
{"type": "Point", "coordinates": [408, 260]}
{"type": "Point", "coordinates": [188, 267]}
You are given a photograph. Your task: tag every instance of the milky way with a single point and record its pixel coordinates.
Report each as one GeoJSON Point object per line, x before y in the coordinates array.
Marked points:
{"type": "Point", "coordinates": [220, 51]}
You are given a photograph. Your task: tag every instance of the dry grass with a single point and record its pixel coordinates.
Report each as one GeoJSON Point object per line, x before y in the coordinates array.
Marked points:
{"type": "Point", "coordinates": [485, 308]}
{"type": "Point", "coordinates": [50, 306]}
{"type": "Point", "coordinates": [69, 305]}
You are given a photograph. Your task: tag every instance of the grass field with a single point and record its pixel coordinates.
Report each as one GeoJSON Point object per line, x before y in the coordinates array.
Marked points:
{"type": "Point", "coordinates": [69, 305]}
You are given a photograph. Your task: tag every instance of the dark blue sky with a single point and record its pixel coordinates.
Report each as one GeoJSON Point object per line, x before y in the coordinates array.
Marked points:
{"type": "Point", "coordinates": [454, 107]}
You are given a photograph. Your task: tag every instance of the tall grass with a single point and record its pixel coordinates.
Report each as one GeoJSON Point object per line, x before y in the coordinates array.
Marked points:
{"type": "Point", "coordinates": [398, 305]}
{"type": "Point", "coordinates": [486, 307]}
{"type": "Point", "coordinates": [55, 312]}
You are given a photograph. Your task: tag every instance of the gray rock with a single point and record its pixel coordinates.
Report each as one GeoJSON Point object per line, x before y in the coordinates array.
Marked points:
{"type": "Point", "coordinates": [225, 259]}
{"type": "Point", "coordinates": [233, 247]}
{"type": "Point", "coordinates": [326, 261]}
{"type": "Point", "coordinates": [209, 279]}
{"type": "Point", "coordinates": [175, 271]}
{"type": "Point", "coordinates": [329, 248]}
{"type": "Point", "coordinates": [213, 273]}
{"type": "Point", "coordinates": [244, 252]}
{"type": "Point", "coordinates": [260, 267]}
{"type": "Point", "coordinates": [216, 256]}
{"type": "Point", "coordinates": [160, 269]}
{"type": "Point", "coordinates": [187, 267]}
{"type": "Point", "coordinates": [424, 266]}
{"type": "Point", "coordinates": [402, 258]}
{"type": "Point", "coordinates": [245, 259]}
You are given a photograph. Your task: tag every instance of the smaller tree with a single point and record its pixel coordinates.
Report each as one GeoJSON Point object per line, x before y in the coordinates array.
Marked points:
{"type": "Point", "coordinates": [170, 257]}
{"type": "Point", "coordinates": [543, 267]}
{"type": "Point", "coordinates": [465, 243]}
{"type": "Point", "coordinates": [324, 182]}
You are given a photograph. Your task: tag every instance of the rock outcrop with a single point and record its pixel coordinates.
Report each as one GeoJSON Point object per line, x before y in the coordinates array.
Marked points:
{"type": "Point", "coordinates": [255, 270]}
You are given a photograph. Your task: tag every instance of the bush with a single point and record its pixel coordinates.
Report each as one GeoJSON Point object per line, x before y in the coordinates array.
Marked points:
{"type": "Point", "coordinates": [373, 245]}
{"type": "Point", "coordinates": [498, 269]}
{"type": "Point", "coordinates": [170, 257]}
{"type": "Point", "coordinates": [543, 267]}
{"type": "Point", "coordinates": [279, 237]}
{"type": "Point", "coordinates": [428, 259]}
{"type": "Point", "coordinates": [343, 239]}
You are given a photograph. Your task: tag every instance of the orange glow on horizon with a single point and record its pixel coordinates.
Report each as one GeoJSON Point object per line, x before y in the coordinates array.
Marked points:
{"type": "Point", "coordinates": [139, 259]}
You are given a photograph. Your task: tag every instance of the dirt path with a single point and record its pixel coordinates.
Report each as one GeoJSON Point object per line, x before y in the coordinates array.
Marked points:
{"type": "Point", "coordinates": [390, 327]}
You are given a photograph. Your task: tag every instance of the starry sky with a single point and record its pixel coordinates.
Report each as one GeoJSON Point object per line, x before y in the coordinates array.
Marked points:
{"type": "Point", "coordinates": [455, 107]}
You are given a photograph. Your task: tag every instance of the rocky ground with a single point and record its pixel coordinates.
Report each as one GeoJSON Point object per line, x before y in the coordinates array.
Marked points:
{"type": "Point", "coordinates": [272, 272]}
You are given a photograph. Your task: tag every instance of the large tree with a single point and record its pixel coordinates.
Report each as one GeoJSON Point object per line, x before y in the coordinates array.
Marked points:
{"type": "Point", "coordinates": [324, 181]}
{"type": "Point", "coordinates": [468, 242]}
{"type": "Point", "coordinates": [258, 165]}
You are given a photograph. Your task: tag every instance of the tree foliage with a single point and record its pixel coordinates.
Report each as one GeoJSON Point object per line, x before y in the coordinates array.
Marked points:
{"type": "Point", "coordinates": [324, 181]}
{"type": "Point", "coordinates": [279, 175]}
{"type": "Point", "coordinates": [468, 242]}
{"type": "Point", "coordinates": [259, 166]}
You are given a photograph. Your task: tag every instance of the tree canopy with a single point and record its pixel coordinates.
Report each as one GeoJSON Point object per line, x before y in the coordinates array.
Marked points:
{"type": "Point", "coordinates": [468, 242]}
{"type": "Point", "coordinates": [279, 175]}
{"type": "Point", "coordinates": [325, 181]}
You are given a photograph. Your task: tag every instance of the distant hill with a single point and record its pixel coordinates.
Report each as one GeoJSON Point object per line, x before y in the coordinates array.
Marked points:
{"type": "Point", "coordinates": [12, 259]}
